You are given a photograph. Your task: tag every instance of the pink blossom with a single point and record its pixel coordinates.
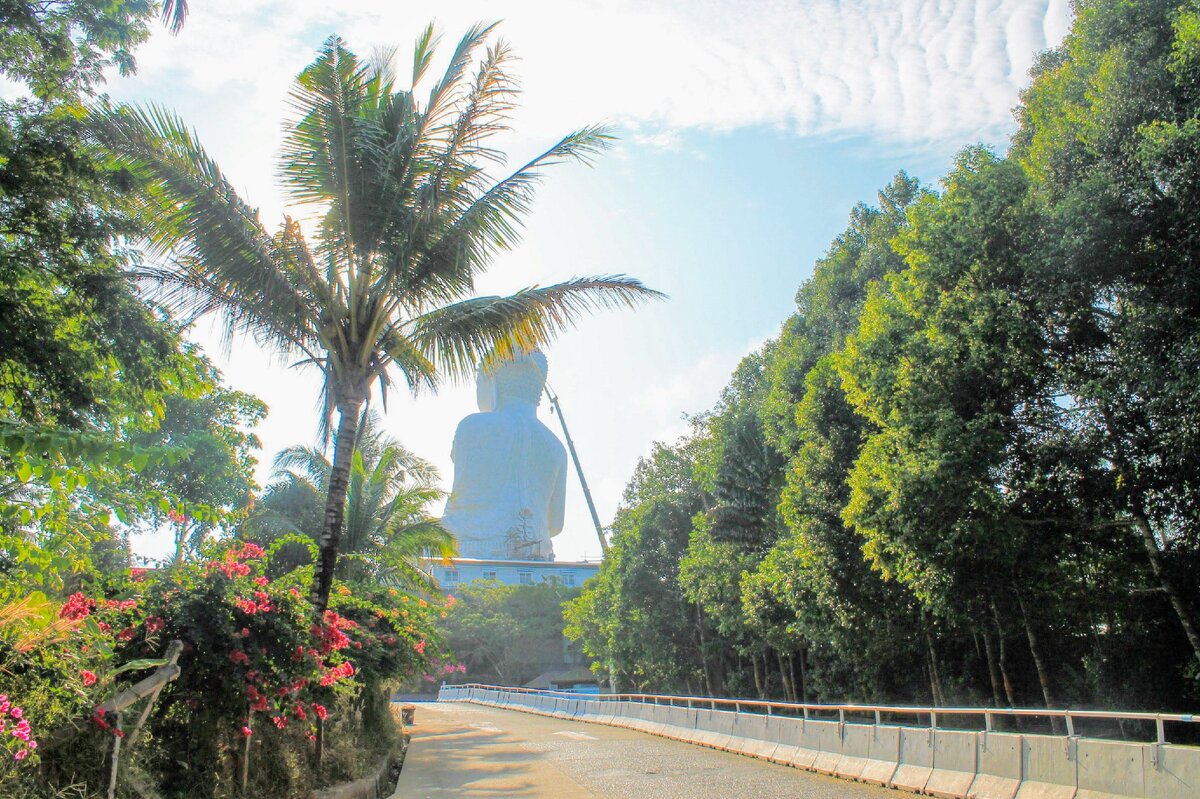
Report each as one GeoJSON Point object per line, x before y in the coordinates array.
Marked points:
{"type": "Point", "coordinates": [89, 677]}
{"type": "Point", "coordinates": [247, 731]}
{"type": "Point", "coordinates": [77, 607]}
{"type": "Point", "coordinates": [21, 755]}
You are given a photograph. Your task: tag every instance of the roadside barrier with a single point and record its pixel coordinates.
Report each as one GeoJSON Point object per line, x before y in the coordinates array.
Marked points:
{"type": "Point", "coordinates": [855, 742]}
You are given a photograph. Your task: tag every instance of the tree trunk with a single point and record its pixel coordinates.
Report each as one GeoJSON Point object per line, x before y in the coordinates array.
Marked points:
{"type": "Point", "coordinates": [800, 688]}
{"type": "Point", "coordinates": [1035, 650]}
{"type": "Point", "coordinates": [993, 672]}
{"type": "Point", "coordinates": [1154, 555]}
{"type": "Point", "coordinates": [789, 693]}
{"type": "Point", "coordinates": [1002, 661]}
{"type": "Point", "coordinates": [707, 668]}
{"type": "Point", "coordinates": [335, 503]}
{"type": "Point", "coordinates": [180, 542]}
{"type": "Point", "coordinates": [755, 662]}
{"type": "Point", "coordinates": [935, 683]}
{"type": "Point", "coordinates": [1039, 662]}
{"type": "Point", "coordinates": [1142, 522]}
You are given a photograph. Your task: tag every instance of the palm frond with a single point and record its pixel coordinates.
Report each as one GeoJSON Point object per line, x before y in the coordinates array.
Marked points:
{"type": "Point", "coordinates": [174, 14]}
{"type": "Point", "coordinates": [457, 337]}
{"type": "Point", "coordinates": [307, 462]}
{"type": "Point", "coordinates": [492, 221]}
{"type": "Point", "coordinates": [440, 104]}
{"type": "Point", "coordinates": [220, 258]}
{"type": "Point", "coordinates": [423, 52]}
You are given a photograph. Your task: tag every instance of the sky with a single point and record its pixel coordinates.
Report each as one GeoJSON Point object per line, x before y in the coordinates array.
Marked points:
{"type": "Point", "coordinates": [748, 129]}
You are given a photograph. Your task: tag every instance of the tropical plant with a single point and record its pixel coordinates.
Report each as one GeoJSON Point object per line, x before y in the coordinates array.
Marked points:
{"type": "Point", "coordinates": [387, 528]}
{"type": "Point", "coordinates": [405, 217]}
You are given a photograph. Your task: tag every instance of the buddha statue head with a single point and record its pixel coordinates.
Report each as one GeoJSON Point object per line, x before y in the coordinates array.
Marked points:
{"type": "Point", "coordinates": [521, 379]}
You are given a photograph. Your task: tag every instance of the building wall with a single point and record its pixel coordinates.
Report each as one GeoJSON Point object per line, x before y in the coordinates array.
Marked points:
{"type": "Point", "coordinates": [512, 572]}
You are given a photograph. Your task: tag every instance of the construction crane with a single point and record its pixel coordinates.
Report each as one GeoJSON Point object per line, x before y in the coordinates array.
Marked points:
{"type": "Point", "coordinates": [587, 494]}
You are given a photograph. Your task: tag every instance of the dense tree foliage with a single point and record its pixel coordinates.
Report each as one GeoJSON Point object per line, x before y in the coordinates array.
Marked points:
{"type": "Point", "coordinates": [965, 471]}
{"type": "Point", "coordinates": [506, 634]}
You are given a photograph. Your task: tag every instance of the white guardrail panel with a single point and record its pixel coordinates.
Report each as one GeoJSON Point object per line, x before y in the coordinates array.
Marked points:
{"type": "Point", "coordinates": [937, 759]}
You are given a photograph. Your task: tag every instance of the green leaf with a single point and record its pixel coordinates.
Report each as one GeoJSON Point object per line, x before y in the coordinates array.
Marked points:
{"type": "Point", "coordinates": [138, 665]}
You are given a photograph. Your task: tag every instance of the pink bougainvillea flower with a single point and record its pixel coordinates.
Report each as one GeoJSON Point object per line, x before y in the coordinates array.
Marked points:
{"type": "Point", "coordinates": [16, 712]}
{"type": "Point", "coordinates": [247, 731]}
{"type": "Point", "coordinates": [245, 632]}
{"type": "Point", "coordinates": [280, 721]}
{"type": "Point", "coordinates": [239, 657]}
{"type": "Point", "coordinates": [320, 711]}
{"type": "Point", "coordinates": [76, 607]}
{"type": "Point", "coordinates": [420, 647]}
{"type": "Point", "coordinates": [261, 581]}
{"type": "Point", "coordinates": [89, 677]}
{"type": "Point", "coordinates": [155, 624]}
{"type": "Point", "coordinates": [21, 755]}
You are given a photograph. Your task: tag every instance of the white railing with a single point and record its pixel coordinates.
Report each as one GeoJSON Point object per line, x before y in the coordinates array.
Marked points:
{"type": "Point", "coordinates": [807, 710]}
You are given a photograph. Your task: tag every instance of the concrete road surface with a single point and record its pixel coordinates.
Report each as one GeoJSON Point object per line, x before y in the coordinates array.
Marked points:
{"type": "Point", "coordinates": [464, 750]}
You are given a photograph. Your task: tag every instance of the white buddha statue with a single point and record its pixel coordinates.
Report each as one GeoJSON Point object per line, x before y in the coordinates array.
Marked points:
{"type": "Point", "coordinates": [510, 471]}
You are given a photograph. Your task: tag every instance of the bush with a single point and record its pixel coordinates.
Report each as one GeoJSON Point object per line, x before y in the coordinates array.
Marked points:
{"type": "Point", "coordinates": [258, 675]}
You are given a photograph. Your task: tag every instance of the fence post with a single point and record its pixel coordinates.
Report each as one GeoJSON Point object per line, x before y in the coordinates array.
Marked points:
{"type": "Point", "coordinates": [244, 771]}
{"type": "Point", "coordinates": [118, 734]}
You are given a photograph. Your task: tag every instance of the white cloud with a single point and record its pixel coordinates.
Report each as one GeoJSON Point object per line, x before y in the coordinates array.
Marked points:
{"type": "Point", "coordinates": [907, 70]}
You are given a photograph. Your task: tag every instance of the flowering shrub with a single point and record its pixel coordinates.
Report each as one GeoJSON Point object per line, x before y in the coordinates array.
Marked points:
{"type": "Point", "coordinates": [15, 730]}
{"type": "Point", "coordinates": [254, 664]}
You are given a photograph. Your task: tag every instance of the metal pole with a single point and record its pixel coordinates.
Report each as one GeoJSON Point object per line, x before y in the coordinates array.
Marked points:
{"type": "Point", "coordinates": [587, 494]}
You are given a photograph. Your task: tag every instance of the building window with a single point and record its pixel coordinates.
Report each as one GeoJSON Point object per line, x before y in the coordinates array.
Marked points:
{"type": "Point", "coordinates": [568, 578]}
{"type": "Point", "coordinates": [525, 578]}
{"type": "Point", "coordinates": [451, 575]}
{"type": "Point", "coordinates": [489, 575]}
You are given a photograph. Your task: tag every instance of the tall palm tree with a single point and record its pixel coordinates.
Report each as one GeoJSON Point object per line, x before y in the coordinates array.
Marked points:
{"type": "Point", "coordinates": [404, 219]}
{"type": "Point", "coordinates": [386, 527]}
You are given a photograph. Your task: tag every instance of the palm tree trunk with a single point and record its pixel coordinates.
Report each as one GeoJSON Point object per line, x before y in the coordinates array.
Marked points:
{"type": "Point", "coordinates": [335, 503]}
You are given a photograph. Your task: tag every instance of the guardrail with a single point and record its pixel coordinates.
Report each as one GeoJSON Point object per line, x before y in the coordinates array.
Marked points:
{"type": "Point", "coordinates": [862, 742]}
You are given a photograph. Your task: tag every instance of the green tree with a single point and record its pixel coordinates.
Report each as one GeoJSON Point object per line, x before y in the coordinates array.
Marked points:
{"type": "Point", "coordinates": [406, 218]}
{"type": "Point", "coordinates": [507, 633]}
{"type": "Point", "coordinates": [632, 618]}
{"type": "Point", "coordinates": [218, 469]}
{"type": "Point", "coordinates": [1109, 140]}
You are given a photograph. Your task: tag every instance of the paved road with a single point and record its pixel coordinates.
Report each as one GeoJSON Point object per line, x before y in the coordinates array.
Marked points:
{"type": "Point", "coordinates": [464, 750]}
